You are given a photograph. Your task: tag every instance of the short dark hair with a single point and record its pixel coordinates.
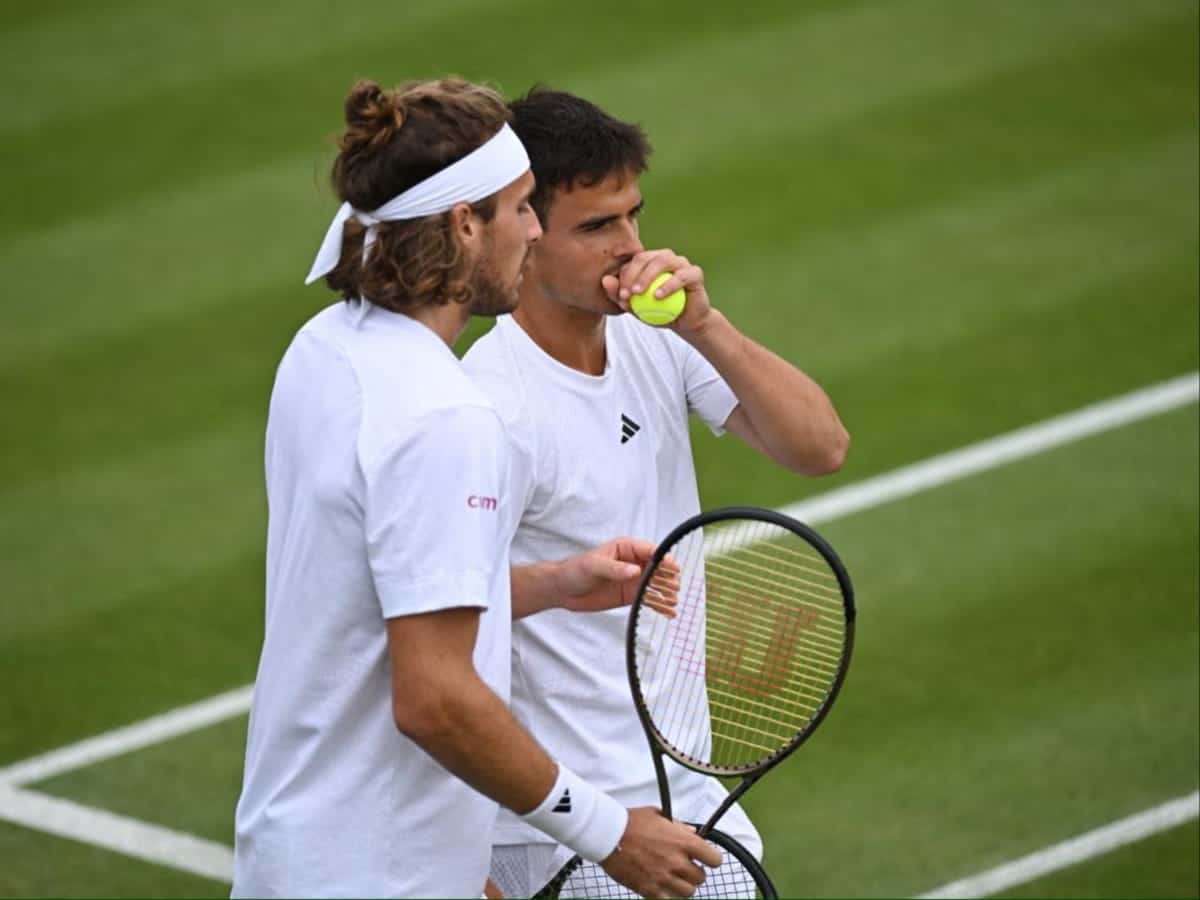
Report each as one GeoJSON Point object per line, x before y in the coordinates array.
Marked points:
{"type": "Point", "coordinates": [571, 141]}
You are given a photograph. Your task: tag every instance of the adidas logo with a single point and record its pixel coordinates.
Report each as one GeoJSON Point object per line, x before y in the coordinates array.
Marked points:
{"type": "Point", "coordinates": [564, 805]}
{"type": "Point", "coordinates": [628, 428]}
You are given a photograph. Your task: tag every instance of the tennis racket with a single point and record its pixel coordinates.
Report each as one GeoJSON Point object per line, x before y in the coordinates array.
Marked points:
{"type": "Point", "coordinates": [739, 875]}
{"type": "Point", "coordinates": [741, 676]}
{"type": "Point", "coordinates": [756, 655]}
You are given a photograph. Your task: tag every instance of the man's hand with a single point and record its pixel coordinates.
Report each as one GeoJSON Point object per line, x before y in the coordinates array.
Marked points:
{"type": "Point", "coordinates": [607, 576]}
{"type": "Point", "coordinates": [635, 276]}
{"type": "Point", "coordinates": [655, 856]}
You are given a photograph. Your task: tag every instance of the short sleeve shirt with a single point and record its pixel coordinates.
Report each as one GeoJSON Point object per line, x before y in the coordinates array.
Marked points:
{"type": "Point", "coordinates": [387, 480]}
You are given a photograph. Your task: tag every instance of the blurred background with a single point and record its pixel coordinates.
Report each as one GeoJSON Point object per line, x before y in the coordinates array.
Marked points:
{"type": "Point", "coordinates": [961, 218]}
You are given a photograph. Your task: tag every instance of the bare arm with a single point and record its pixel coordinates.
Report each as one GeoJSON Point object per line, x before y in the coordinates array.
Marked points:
{"type": "Point", "coordinates": [781, 412]}
{"type": "Point", "coordinates": [441, 704]}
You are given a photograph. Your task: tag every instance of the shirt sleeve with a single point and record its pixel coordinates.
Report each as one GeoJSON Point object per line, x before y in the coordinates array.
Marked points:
{"type": "Point", "coordinates": [497, 375]}
{"type": "Point", "coordinates": [434, 501]}
{"type": "Point", "coordinates": [708, 396]}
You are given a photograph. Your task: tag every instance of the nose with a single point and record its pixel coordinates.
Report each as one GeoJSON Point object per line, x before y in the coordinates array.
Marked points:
{"type": "Point", "coordinates": [535, 230]}
{"type": "Point", "coordinates": [629, 244]}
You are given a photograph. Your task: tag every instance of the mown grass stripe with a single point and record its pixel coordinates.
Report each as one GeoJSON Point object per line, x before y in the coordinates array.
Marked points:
{"type": "Point", "coordinates": [120, 834]}
{"type": "Point", "coordinates": [1074, 851]}
{"type": "Point", "coordinates": [225, 203]}
{"type": "Point", "coordinates": [907, 481]}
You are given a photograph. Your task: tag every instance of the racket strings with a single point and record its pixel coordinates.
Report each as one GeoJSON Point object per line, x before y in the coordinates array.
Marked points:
{"type": "Point", "coordinates": [729, 880]}
{"type": "Point", "coordinates": [755, 650]}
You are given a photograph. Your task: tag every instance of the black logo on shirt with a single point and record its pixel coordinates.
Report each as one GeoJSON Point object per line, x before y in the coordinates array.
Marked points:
{"type": "Point", "coordinates": [628, 428]}
{"type": "Point", "coordinates": [564, 805]}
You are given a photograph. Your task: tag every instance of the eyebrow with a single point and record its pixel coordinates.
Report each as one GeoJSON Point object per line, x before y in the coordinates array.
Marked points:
{"type": "Point", "coordinates": [588, 224]}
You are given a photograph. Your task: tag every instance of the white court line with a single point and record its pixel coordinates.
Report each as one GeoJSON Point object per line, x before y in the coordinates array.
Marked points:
{"type": "Point", "coordinates": [1076, 850]}
{"type": "Point", "coordinates": [146, 733]}
{"type": "Point", "coordinates": [989, 454]}
{"type": "Point", "coordinates": [899, 483]}
{"type": "Point", "coordinates": [1046, 435]}
{"type": "Point", "coordinates": [120, 834]}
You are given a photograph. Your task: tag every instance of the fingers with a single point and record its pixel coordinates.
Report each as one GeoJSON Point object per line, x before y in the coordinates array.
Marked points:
{"type": "Point", "coordinates": [636, 275]}
{"type": "Point", "coordinates": [659, 856]}
{"type": "Point", "coordinates": [684, 277]}
{"type": "Point", "coordinates": [669, 565]}
{"type": "Point", "coordinates": [625, 559]}
{"type": "Point", "coordinates": [662, 591]}
{"type": "Point", "coordinates": [667, 585]}
{"type": "Point", "coordinates": [634, 550]}
{"type": "Point", "coordinates": [612, 287]}
{"type": "Point", "coordinates": [663, 604]}
{"type": "Point", "coordinates": [707, 853]}
{"type": "Point", "coordinates": [684, 881]}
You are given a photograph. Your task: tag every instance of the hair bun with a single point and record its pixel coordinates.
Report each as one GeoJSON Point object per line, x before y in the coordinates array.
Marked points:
{"type": "Point", "coordinates": [373, 115]}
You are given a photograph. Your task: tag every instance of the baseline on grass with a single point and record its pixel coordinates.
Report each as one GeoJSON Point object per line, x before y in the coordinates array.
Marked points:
{"type": "Point", "coordinates": [742, 675]}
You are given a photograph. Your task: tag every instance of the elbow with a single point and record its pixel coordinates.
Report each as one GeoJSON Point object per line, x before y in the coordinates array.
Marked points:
{"type": "Point", "coordinates": [828, 457]}
{"type": "Point", "coordinates": [423, 715]}
{"type": "Point", "coordinates": [837, 451]}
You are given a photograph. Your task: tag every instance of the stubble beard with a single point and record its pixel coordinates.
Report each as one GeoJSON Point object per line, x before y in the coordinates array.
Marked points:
{"type": "Point", "coordinates": [490, 296]}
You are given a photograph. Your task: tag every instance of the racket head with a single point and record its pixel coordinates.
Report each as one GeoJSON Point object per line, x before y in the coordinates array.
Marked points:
{"type": "Point", "coordinates": [758, 650]}
{"type": "Point", "coordinates": [739, 875]}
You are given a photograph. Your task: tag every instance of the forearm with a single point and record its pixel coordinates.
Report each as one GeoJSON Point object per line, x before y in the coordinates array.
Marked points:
{"type": "Point", "coordinates": [473, 735]}
{"type": "Point", "coordinates": [535, 587]}
{"type": "Point", "coordinates": [440, 703]}
{"type": "Point", "coordinates": [790, 414]}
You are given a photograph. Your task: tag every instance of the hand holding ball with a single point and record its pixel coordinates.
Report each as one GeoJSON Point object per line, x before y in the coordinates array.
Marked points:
{"type": "Point", "coordinates": [653, 311]}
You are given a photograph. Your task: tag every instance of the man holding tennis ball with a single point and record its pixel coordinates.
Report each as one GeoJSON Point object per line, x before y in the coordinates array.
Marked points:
{"type": "Point", "coordinates": [596, 406]}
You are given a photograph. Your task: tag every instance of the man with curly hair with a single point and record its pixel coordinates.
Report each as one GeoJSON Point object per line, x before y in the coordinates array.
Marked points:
{"type": "Point", "coordinates": [379, 742]}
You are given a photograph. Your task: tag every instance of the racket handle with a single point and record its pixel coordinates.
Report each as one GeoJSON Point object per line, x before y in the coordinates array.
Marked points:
{"type": "Point", "coordinates": [664, 786]}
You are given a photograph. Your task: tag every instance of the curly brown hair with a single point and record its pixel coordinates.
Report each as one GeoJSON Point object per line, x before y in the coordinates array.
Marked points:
{"type": "Point", "coordinates": [393, 140]}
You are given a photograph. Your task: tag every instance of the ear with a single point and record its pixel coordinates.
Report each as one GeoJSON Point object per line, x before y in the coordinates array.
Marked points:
{"type": "Point", "coordinates": [465, 224]}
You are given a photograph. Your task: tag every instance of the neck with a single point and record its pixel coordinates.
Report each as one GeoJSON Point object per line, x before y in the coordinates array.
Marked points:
{"type": "Point", "coordinates": [447, 320]}
{"type": "Point", "coordinates": [574, 337]}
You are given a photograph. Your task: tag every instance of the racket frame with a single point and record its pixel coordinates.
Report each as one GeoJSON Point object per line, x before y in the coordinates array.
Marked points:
{"type": "Point", "coordinates": [659, 746]}
{"type": "Point", "coordinates": [729, 844]}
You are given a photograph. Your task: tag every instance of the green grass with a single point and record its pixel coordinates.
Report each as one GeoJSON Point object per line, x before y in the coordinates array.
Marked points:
{"type": "Point", "coordinates": [1023, 672]}
{"type": "Point", "coordinates": [1147, 869]}
{"type": "Point", "coordinates": [973, 727]}
{"type": "Point", "coordinates": [36, 865]}
{"type": "Point", "coordinates": [960, 218]}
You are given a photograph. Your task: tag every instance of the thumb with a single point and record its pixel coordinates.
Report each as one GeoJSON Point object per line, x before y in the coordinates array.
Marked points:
{"type": "Point", "coordinates": [615, 570]}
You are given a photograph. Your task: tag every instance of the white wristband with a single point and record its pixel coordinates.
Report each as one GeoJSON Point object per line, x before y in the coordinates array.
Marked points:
{"type": "Point", "coordinates": [576, 814]}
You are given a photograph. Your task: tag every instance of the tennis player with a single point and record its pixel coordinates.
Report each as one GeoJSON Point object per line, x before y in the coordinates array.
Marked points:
{"type": "Point", "coordinates": [379, 740]}
{"type": "Point", "coordinates": [597, 407]}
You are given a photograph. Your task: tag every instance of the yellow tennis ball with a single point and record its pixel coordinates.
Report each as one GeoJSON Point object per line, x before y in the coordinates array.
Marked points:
{"type": "Point", "coordinates": [653, 311]}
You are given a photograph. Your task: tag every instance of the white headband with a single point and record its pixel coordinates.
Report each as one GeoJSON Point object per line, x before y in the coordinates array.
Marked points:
{"type": "Point", "coordinates": [495, 164]}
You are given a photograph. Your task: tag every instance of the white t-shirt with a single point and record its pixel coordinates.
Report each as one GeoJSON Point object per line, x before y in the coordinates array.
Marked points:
{"type": "Point", "coordinates": [593, 458]}
{"type": "Point", "coordinates": [386, 482]}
